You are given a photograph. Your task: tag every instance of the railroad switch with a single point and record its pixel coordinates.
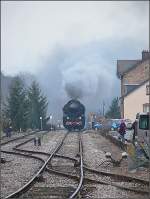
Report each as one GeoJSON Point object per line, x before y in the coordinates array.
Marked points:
{"type": "Point", "coordinates": [77, 163]}
{"type": "Point", "coordinates": [40, 178]}
{"type": "Point", "coordinates": [37, 141]}
{"type": "Point", "coordinates": [77, 155]}
{"type": "Point", "coordinates": [50, 164]}
{"type": "Point", "coordinates": [116, 162]}
{"type": "Point", "coordinates": [79, 195]}
{"type": "Point", "coordinates": [3, 160]}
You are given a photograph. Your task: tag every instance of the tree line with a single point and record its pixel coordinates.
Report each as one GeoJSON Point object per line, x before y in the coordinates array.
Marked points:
{"type": "Point", "coordinates": [24, 106]}
{"type": "Point", "coordinates": [114, 110]}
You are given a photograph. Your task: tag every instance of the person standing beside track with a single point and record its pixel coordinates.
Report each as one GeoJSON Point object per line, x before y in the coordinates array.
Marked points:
{"type": "Point", "coordinates": [134, 127]}
{"type": "Point", "coordinates": [8, 131]}
{"type": "Point", "coordinates": [122, 130]}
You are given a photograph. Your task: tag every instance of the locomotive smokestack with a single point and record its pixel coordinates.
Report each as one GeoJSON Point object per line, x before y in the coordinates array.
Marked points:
{"type": "Point", "coordinates": [73, 91]}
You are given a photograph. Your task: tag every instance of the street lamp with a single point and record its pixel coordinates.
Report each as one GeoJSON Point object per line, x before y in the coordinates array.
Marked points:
{"type": "Point", "coordinates": [51, 121]}
{"type": "Point", "coordinates": [59, 124]}
{"type": "Point", "coordinates": [41, 122]}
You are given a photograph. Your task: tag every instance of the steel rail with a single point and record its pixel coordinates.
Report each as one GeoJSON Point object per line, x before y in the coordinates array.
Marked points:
{"type": "Point", "coordinates": [117, 175]}
{"type": "Point", "coordinates": [32, 180]}
{"type": "Point", "coordinates": [46, 154]}
{"type": "Point", "coordinates": [22, 154]}
{"type": "Point", "coordinates": [18, 138]}
{"type": "Point", "coordinates": [75, 177]}
{"type": "Point", "coordinates": [22, 143]}
{"type": "Point", "coordinates": [95, 171]}
{"type": "Point", "coordinates": [134, 189]}
{"type": "Point", "coordinates": [120, 176]}
{"type": "Point", "coordinates": [12, 134]}
{"type": "Point", "coordinates": [81, 169]}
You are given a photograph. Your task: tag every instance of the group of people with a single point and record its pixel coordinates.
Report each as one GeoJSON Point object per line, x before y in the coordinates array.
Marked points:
{"type": "Point", "coordinates": [122, 130]}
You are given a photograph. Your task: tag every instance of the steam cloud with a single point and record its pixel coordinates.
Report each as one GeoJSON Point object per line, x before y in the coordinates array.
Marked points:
{"type": "Point", "coordinates": [82, 75]}
{"type": "Point", "coordinates": [73, 91]}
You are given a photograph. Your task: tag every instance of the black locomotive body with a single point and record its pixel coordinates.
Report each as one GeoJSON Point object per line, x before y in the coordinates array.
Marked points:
{"type": "Point", "coordinates": [74, 115]}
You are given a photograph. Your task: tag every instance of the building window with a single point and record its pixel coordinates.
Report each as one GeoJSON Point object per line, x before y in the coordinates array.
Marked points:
{"type": "Point", "coordinates": [147, 89]}
{"type": "Point", "coordinates": [146, 107]}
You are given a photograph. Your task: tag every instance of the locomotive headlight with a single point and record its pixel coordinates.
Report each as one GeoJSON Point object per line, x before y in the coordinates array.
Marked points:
{"type": "Point", "coordinates": [80, 118]}
{"type": "Point", "coordinates": [67, 118]}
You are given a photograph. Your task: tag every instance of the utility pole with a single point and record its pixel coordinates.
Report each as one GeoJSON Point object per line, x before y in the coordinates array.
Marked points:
{"type": "Point", "coordinates": [103, 108]}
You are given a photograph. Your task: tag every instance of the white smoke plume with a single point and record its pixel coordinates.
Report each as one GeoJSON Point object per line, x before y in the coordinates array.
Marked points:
{"type": "Point", "coordinates": [78, 74]}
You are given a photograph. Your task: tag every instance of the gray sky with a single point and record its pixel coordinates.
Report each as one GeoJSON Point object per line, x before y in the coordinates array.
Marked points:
{"type": "Point", "coordinates": [31, 30]}
{"type": "Point", "coordinates": [73, 42]}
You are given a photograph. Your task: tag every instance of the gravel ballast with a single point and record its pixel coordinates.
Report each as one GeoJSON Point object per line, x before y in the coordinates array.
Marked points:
{"type": "Point", "coordinates": [94, 148]}
{"type": "Point", "coordinates": [16, 172]}
{"type": "Point", "coordinates": [48, 142]}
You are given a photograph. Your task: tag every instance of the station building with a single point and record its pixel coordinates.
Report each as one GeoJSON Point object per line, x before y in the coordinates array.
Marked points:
{"type": "Point", "coordinates": [134, 76]}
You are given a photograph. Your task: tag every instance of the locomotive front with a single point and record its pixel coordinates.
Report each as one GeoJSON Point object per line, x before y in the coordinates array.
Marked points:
{"type": "Point", "coordinates": [74, 115]}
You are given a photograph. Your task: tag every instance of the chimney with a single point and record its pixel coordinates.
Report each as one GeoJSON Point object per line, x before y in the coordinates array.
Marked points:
{"type": "Point", "coordinates": [145, 54]}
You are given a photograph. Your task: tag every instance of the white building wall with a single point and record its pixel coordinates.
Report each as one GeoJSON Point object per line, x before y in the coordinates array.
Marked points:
{"type": "Point", "coordinates": [133, 103]}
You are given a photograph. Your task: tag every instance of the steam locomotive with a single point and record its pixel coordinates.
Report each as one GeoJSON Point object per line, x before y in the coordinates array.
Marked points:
{"type": "Point", "coordinates": [74, 115]}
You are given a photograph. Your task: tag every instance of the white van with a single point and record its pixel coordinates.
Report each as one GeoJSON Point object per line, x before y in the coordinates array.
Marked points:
{"type": "Point", "coordinates": [143, 128]}
{"type": "Point", "coordinates": [143, 132]}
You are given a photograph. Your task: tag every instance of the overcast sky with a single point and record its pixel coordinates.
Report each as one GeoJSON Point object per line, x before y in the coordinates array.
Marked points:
{"type": "Point", "coordinates": [31, 30]}
{"type": "Point", "coordinates": [73, 42]}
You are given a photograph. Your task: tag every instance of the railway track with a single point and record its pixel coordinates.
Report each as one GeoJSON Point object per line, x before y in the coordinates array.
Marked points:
{"type": "Point", "coordinates": [70, 190]}
{"type": "Point", "coordinates": [101, 174]}
{"type": "Point", "coordinates": [12, 163]}
{"type": "Point", "coordinates": [128, 183]}
{"type": "Point", "coordinates": [81, 169]}
{"type": "Point", "coordinates": [78, 174]}
{"type": "Point", "coordinates": [28, 185]}
{"type": "Point", "coordinates": [108, 178]}
{"type": "Point", "coordinates": [11, 143]}
{"type": "Point", "coordinates": [14, 135]}
{"type": "Point", "coordinates": [5, 140]}
{"type": "Point", "coordinates": [67, 191]}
